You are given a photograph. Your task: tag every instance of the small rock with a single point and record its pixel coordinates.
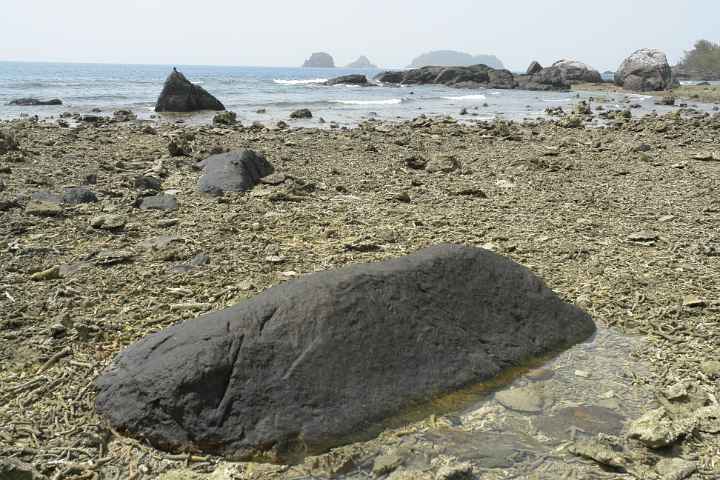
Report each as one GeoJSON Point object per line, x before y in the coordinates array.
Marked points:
{"type": "Point", "coordinates": [402, 197]}
{"type": "Point", "coordinates": [415, 162]}
{"type": "Point", "coordinates": [14, 469]}
{"type": "Point", "coordinates": [226, 118]}
{"type": "Point", "coordinates": [442, 163]}
{"type": "Point", "coordinates": [655, 429]}
{"type": "Point", "coordinates": [162, 201]}
{"type": "Point", "coordinates": [112, 257]}
{"type": "Point", "coordinates": [274, 179]}
{"type": "Point", "coordinates": [522, 399]}
{"type": "Point", "coordinates": [385, 464]}
{"type": "Point", "coordinates": [78, 195]}
{"type": "Point", "coordinates": [643, 236]}
{"type": "Point", "coordinates": [179, 147]}
{"type": "Point", "coordinates": [108, 222]}
{"type": "Point", "coordinates": [675, 468]}
{"type": "Point", "coordinates": [582, 374]}
{"type": "Point", "coordinates": [275, 259]}
{"type": "Point", "coordinates": [43, 209]}
{"type": "Point", "coordinates": [144, 182]}
{"type": "Point", "coordinates": [692, 301]}
{"type": "Point", "coordinates": [302, 113]}
{"type": "Point", "coordinates": [52, 273]}
{"type": "Point", "coordinates": [711, 368]}
{"type": "Point", "coordinates": [601, 452]}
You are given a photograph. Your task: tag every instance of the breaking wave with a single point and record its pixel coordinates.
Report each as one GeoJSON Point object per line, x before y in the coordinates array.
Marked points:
{"type": "Point", "coordinates": [309, 81]}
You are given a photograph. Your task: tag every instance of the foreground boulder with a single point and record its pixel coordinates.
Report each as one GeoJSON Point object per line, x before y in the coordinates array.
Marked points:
{"type": "Point", "coordinates": [645, 70]}
{"type": "Point", "coordinates": [349, 80]}
{"type": "Point", "coordinates": [34, 102]}
{"type": "Point", "coordinates": [474, 76]}
{"type": "Point", "coordinates": [180, 95]}
{"type": "Point", "coordinates": [311, 362]}
{"type": "Point", "coordinates": [232, 172]}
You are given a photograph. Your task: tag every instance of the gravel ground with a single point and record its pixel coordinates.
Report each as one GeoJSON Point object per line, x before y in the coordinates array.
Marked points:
{"type": "Point", "coordinates": [621, 220]}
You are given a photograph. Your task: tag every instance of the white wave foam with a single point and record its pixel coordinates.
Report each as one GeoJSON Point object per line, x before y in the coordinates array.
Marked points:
{"type": "Point", "coordinates": [479, 97]}
{"type": "Point", "coordinates": [391, 101]}
{"type": "Point", "coordinates": [307, 81]}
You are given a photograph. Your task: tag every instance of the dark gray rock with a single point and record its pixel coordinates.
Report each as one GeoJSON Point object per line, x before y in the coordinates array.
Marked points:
{"type": "Point", "coordinates": [474, 76]}
{"type": "Point", "coordinates": [78, 195]}
{"type": "Point", "coordinates": [534, 68]}
{"type": "Point", "coordinates": [34, 102]}
{"type": "Point", "coordinates": [561, 75]}
{"type": "Point", "coordinates": [162, 201]}
{"type": "Point", "coordinates": [310, 362]}
{"type": "Point", "coordinates": [319, 60]}
{"type": "Point", "coordinates": [70, 196]}
{"type": "Point", "coordinates": [124, 115]}
{"type": "Point", "coordinates": [302, 113]}
{"type": "Point", "coordinates": [645, 70]}
{"type": "Point", "coordinates": [237, 171]}
{"type": "Point", "coordinates": [349, 80]}
{"type": "Point", "coordinates": [180, 95]}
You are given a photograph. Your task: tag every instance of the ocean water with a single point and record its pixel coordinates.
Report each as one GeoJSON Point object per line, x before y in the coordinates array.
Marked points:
{"type": "Point", "coordinates": [245, 90]}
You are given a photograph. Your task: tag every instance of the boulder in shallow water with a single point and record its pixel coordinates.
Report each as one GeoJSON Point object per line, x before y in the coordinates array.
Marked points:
{"type": "Point", "coordinates": [312, 362]}
{"type": "Point", "coordinates": [237, 171]}
{"type": "Point", "coordinates": [180, 95]}
{"type": "Point", "coordinates": [645, 70]}
{"type": "Point", "coordinates": [302, 113]}
{"type": "Point", "coordinates": [474, 76]}
{"type": "Point", "coordinates": [349, 80]}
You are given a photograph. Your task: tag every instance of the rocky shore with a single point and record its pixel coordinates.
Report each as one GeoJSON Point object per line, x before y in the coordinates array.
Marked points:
{"type": "Point", "coordinates": [106, 238]}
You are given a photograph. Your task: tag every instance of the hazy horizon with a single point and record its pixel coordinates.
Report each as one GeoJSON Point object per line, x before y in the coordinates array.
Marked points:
{"type": "Point", "coordinates": [286, 33]}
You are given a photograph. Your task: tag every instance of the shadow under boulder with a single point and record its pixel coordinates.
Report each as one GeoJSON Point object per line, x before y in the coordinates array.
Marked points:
{"type": "Point", "coordinates": [311, 363]}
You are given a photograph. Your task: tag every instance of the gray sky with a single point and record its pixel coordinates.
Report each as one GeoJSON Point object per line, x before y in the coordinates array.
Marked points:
{"type": "Point", "coordinates": [390, 33]}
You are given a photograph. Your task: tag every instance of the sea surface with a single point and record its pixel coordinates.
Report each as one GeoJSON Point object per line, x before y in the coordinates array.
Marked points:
{"type": "Point", "coordinates": [279, 91]}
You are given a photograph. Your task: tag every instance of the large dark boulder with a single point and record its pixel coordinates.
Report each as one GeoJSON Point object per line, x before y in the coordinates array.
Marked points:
{"type": "Point", "coordinates": [349, 80]}
{"type": "Point", "coordinates": [34, 102]}
{"type": "Point", "coordinates": [319, 60]}
{"type": "Point", "coordinates": [237, 171]}
{"type": "Point", "coordinates": [180, 95]}
{"type": "Point", "coordinates": [645, 70]}
{"type": "Point", "coordinates": [474, 76]}
{"type": "Point", "coordinates": [311, 363]}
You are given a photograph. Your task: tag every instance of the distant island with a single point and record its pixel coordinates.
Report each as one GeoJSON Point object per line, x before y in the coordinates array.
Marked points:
{"type": "Point", "coordinates": [362, 62]}
{"type": "Point", "coordinates": [319, 60]}
{"type": "Point", "coordinates": [452, 58]}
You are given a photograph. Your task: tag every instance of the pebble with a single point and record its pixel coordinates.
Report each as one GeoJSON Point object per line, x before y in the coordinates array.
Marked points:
{"type": "Point", "coordinates": [693, 301]}
{"type": "Point", "coordinates": [52, 273]}
{"type": "Point", "coordinates": [582, 374]}
{"type": "Point", "coordinates": [643, 236]}
{"type": "Point", "coordinates": [108, 222]}
{"type": "Point", "coordinates": [522, 399]}
{"type": "Point", "coordinates": [385, 464]}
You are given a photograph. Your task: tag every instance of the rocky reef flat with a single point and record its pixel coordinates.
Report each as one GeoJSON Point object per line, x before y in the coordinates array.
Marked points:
{"type": "Point", "coordinates": [106, 238]}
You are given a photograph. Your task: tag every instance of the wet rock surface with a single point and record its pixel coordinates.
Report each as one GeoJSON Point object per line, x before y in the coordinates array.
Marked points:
{"type": "Point", "coordinates": [180, 95]}
{"type": "Point", "coordinates": [277, 356]}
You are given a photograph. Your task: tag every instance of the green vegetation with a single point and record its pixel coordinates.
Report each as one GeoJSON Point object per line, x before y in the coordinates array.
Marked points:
{"type": "Point", "coordinates": [702, 62]}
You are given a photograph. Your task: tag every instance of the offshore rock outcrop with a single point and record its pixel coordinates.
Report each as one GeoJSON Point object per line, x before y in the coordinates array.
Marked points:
{"type": "Point", "coordinates": [181, 95]}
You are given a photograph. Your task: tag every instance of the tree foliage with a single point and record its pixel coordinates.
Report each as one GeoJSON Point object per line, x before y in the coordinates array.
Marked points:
{"type": "Point", "coordinates": [703, 59]}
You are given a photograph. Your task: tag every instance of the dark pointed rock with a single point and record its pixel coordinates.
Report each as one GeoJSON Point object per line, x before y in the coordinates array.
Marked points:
{"type": "Point", "coordinates": [180, 95]}
{"type": "Point", "coordinates": [237, 171]}
{"type": "Point", "coordinates": [534, 68]}
{"type": "Point", "coordinates": [310, 362]}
